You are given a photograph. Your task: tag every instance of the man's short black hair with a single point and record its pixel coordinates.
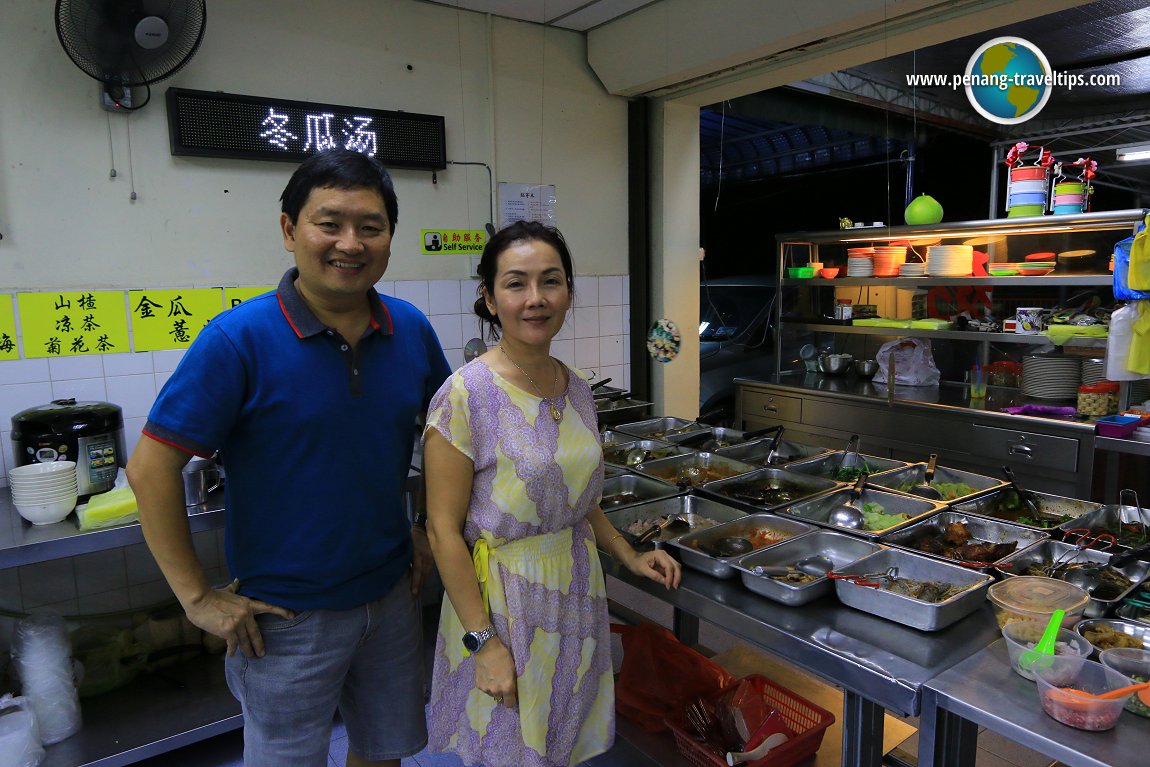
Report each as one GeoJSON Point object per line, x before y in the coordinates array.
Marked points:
{"type": "Point", "coordinates": [338, 169]}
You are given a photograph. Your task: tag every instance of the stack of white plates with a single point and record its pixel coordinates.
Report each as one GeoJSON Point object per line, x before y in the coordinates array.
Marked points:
{"type": "Point", "coordinates": [949, 260]}
{"type": "Point", "coordinates": [1051, 376]}
{"type": "Point", "coordinates": [915, 269]}
{"type": "Point", "coordinates": [1093, 371]}
{"type": "Point", "coordinates": [44, 493]}
{"type": "Point", "coordinates": [860, 263]}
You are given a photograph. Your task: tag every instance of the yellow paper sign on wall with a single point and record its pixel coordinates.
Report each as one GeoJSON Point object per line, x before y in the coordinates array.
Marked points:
{"type": "Point", "coordinates": [171, 319]}
{"type": "Point", "coordinates": [73, 323]}
{"type": "Point", "coordinates": [8, 349]}
{"type": "Point", "coordinates": [449, 241]}
{"type": "Point", "coordinates": [233, 297]}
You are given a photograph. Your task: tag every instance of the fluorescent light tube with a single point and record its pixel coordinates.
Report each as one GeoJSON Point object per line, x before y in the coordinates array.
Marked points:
{"type": "Point", "coordinates": [1133, 153]}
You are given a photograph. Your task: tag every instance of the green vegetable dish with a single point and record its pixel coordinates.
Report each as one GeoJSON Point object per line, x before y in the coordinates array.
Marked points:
{"type": "Point", "coordinates": [1009, 506]}
{"type": "Point", "coordinates": [949, 490]}
{"type": "Point", "coordinates": [876, 518]}
{"type": "Point", "coordinates": [850, 473]}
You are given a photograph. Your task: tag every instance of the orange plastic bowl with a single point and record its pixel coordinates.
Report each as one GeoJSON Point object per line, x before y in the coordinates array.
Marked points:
{"type": "Point", "coordinates": [829, 272]}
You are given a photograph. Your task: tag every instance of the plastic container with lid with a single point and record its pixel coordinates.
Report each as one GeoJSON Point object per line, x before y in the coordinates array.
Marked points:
{"type": "Point", "coordinates": [843, 308]}
{"type": "Point", "coordinates": [1093, 400]}
{"type": "Point", "coordinates": [1112, 388]}
{"type": "Point", "coordinates": [1034, 598]}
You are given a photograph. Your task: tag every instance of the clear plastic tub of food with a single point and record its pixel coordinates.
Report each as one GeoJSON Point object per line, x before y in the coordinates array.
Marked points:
{"type": "Point", "coordinates": [1033, 598]}
{"type": "Point", "coordinates": [1056, 681]}
{"type": "Point", "coordinates": [1134, 664]}
{"type": "Point", "coordinates": [1022, 636]}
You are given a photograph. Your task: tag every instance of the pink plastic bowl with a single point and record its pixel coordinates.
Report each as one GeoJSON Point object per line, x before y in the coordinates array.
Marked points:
{"type": "Point", "coordinates": [1067, 199]}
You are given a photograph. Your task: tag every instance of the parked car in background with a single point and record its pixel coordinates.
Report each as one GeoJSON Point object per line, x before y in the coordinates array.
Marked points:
{"type": "Point", "coordinates": [735, 339]}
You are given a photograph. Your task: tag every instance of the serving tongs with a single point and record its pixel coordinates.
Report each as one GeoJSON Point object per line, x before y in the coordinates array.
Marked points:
{"type": "Point", "coordinates": [654, 530]}
{"type": "Point", "coordinates": [1085, 575]}
{"type": "Point", "coordinates": [852, 447]}
{"type": "Point", "coordinates": [1023, 495]}
{"type": "Point", "coordinates": [871, 580]}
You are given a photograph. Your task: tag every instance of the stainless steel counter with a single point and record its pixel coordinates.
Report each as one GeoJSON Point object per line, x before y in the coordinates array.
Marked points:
{"type": "Point", "coordinates": [880, 665]}
{"type": "Point", "coordinates": [983, 691]}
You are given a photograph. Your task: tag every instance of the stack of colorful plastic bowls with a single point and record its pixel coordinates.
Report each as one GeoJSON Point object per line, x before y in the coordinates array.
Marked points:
{"type": "Point", "coordinates": [1027, 192]}
{"type": "Point", "coordinates": [1069, 197]}
{"type": "Point", "coordinates": [888, 259]}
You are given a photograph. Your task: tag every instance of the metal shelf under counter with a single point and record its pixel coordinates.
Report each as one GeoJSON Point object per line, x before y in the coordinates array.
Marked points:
{"type": "Point", "coordinates": [1001, 338]}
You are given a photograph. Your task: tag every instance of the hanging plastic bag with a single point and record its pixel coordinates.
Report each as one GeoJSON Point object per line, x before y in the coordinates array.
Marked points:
{"type": "Point", "coordinates": [913, 363]}
{"type": "Point", "coordinates": [1130, 283]}
{"type": "Point", "coordinates": [19, 736]}
{"type": "Point", "coordinates": [1120, 343]}
{"type": "Point", "coordinates": [660, 675]}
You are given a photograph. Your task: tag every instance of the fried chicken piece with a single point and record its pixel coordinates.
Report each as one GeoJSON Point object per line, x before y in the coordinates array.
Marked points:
{"type": "Point", "coordinates": [956, 533]}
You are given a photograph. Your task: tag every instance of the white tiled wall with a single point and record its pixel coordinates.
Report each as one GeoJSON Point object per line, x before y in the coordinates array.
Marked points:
{"type": "Point", "coordinates": [594, 338]}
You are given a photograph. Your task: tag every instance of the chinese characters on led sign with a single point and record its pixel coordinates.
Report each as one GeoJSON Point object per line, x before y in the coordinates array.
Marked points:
{"type": "Point", "coordinates": [208, 124]}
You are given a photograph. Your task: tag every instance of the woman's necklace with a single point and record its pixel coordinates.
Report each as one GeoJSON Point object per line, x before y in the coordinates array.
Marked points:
{"type": "Point", "coordinates": [555, 412]}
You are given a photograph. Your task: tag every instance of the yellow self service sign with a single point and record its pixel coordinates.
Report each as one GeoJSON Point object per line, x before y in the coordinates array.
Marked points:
{"type": "Point", "coordinates": [68, 324]}
{"type": "Point", "coordinates": [233, 297]}
{"type": "Point", "coordinates": [8, 350]}
{"type": "Point", "coordinates": [439, 241]}
{"type": "Point", "coordinates": [171, 319]}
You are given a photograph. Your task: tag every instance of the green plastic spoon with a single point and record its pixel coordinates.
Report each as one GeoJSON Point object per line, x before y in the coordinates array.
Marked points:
{"type": "Point", "coordinates": [1042, 655]}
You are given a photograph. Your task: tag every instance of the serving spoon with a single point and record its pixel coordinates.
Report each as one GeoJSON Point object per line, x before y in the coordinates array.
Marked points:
{"type": "Point", "coordinates": [848, 515]}
{"type": "Point", "coordinates": [1142, 688]}
{"type": "Point", "coordinates": [925, 489]}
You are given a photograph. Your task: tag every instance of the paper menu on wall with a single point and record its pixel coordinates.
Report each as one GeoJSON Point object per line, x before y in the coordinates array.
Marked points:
{"type": "Point", "coordinates": [526, 202]}
{"type": "Point", "coordinates": [72, 323]}
{"type": "Point", "coordinates": [171, 319]}
{"type": "Point", "coordinates": [8, 348]}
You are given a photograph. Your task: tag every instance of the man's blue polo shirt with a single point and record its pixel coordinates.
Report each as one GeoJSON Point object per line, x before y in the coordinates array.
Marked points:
{"type": "Point", "coordinates": [316, 440]}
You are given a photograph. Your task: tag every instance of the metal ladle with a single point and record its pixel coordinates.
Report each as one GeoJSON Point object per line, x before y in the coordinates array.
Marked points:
{"type": "Point", "coordinates": [815, 564]}
{"type": "Point", "coordinates": [848, 515]}
{"type": "Point", "coordinates": [925, 489]}
{"type": "Point", "coordinates": [733, 546]}
{"type": "Point", "coordinates": [656, 529]}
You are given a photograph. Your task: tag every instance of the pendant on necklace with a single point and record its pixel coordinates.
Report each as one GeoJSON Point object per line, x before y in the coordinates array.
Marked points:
{"type": "Point", "coordinates": [555, 413]}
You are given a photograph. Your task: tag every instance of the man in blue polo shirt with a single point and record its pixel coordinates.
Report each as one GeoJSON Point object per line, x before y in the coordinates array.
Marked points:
{"type": "Point", "coordinates": [311, 395]}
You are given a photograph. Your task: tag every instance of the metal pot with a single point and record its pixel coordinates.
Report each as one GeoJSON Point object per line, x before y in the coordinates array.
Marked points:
{"type": "Point", "coordinates": [201, 477]}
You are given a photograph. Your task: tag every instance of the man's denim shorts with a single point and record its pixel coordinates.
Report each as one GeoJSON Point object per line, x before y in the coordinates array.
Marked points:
{"type": "Point", "coordinates": [366, 662]}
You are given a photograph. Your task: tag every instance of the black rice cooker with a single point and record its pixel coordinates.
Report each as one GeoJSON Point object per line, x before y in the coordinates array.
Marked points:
{"type": "Point", "coordinates": [89, 433]}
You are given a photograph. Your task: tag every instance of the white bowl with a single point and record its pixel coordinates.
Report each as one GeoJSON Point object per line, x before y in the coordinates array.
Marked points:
{"type": "Point", "coordinates": [35, 469]}
{"type": "Point", "coordinates": [55, 478]}
{"type": "Point", "coordinates": [43, 497]}
{"type": "Point", "coordinates": [47, 513]}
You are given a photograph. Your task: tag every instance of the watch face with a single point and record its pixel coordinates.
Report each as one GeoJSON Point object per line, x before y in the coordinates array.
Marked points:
{"type": "Point", "coordinates": [471, 642]}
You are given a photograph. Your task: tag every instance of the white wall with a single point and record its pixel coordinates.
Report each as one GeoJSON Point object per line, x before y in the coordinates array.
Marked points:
{"type": "Point", "coordinates": [515, 97]}
{"type": "Point", "coordinates": [66, 224]}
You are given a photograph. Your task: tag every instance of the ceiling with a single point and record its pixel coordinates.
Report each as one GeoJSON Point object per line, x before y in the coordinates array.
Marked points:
{"type": "Point", "coordinates": [744, 139]}
{"type": "Point", "coordinates": [577, 15]}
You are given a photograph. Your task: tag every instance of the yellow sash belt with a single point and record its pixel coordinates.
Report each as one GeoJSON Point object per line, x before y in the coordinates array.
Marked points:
{"type": "Point", "coordinates": [480, 558]}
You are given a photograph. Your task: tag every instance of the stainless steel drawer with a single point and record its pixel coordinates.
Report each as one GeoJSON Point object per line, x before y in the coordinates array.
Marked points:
{"type": "Point", "coordinates": [773, 407]}
{"type": "Point", "coordinates": [1025, 448]}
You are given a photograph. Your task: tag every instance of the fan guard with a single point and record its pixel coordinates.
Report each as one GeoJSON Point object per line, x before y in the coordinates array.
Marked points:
{"type": "Point", "coordinates": [130, 43]}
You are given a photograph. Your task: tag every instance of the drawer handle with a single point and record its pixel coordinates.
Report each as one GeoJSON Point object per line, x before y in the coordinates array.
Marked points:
{"type": "Point", "coordinates": [771, 408]}
{"type": "Point", "coordinates": [1022, 450]}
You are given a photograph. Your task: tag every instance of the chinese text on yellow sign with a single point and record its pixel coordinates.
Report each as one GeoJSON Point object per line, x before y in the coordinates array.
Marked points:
{"type": "Point", "coordinates": [73, 323]}
{"type": "Point", "coordinates": [171, 319]}
{"type": "Point", "coordinates": [436, 241]}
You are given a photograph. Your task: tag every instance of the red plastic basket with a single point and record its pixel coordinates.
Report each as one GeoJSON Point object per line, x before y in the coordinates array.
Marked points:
{"type": "Point", "coordinates": [807, 721]}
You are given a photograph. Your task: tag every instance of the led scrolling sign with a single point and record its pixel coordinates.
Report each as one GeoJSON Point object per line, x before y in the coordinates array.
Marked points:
{"type": "Point", "coordinates": [215, 124]}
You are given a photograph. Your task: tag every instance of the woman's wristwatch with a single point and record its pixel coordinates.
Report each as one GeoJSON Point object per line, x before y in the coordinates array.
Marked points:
{"type": "Point", "coordinates": [473, 641]}
{"type": "Point", "coordinates": [420, 520]}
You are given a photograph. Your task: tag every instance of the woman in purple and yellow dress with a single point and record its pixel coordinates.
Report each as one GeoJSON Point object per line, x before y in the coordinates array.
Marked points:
{"type": "Point", "coordinates": [514, 477]}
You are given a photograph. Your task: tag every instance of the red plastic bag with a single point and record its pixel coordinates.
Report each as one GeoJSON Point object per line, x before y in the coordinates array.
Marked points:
{"type": "Point", "coordinates": [660, 675]}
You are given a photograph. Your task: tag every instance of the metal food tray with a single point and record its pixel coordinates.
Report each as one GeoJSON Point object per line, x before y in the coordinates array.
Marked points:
{"type": "Point", "coordinates": [613, 437]}
{"type": "Point", "coordinates": [658, 446]}
{"type": "Point", "coordinates": [646, 488]}
{"type": "Point", "coordinates": [1047, 552]}
{"type": "Point", "coordinates": [823, 465]}
{"type": "Point", "coordinates": [613, 471]}
{"type": "Point", "coordinates": [669, 469]}
{"type": "Point", "coordinates": [1134, 613]}
{"type": "Point", "coordinates": [1108, 518]}
{"type": "Point", "coordinates": [681, 504]}
{"type": "Point", "coordinates": [1054, 505]}
{"type": "Point", "coordinates": [603, 392]}
{"type": "Point", "coordinates": [619, 409]}
{"type": "Point", "coordinates": [841, 549]}
{"type": "Point", "coordinates": [757, 450]}
{"type": "Point", "coordinates": [717, 433]}
{"type": "Point", "coordinates": [818, 510]}
{"type": "Point", "coordinates": [722, 567]}
{"type": "Point", "coordinates": [926, 616]}
{"type": "Point", "coordinates": [657, 428]}
{"type": "Point", "coordinates": [728, 490]}
{"type": "Point", "coordinates": [915, 473]}
{"type": "Point", "coordinates": [1135, 629]}
{"type": "Point", "coordinates": [980, 529]}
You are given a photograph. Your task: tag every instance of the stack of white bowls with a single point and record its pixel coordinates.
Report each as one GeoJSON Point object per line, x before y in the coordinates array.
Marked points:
{"type": "Point", "coordinates": [887, 260]}
{"type": "Point", "coordinates": [860, 262]}
{"type": "Point", "coordinates": [949, 260]}
{"type": "Point", "coordinates": [912, 269]}
{"type": "Point", "coordinates": [44, 493]}
{"type": "Point", "coordinates": [1093, 371]}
